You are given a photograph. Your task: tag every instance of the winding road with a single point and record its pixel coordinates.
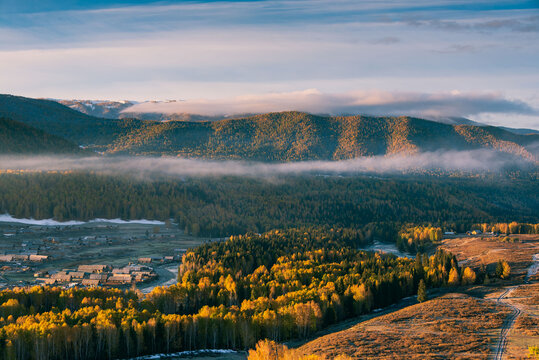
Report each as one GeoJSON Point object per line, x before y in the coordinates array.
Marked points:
{"type": "Point", "coordinates": [510, 320]}
{"type": "Point", "coordinates": [507, 324]}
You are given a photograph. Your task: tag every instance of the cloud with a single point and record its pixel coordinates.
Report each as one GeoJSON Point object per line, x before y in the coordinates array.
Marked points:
{"type": "Point", "coordinates": [520, 24]}
{"type": "Point", "coordinates": [458, 48]}
{"type": "Point", "coordinates": [150, 167]}
{"type": "Point", "coordinates": [205, 49]}
{"type": "Point", "coordinates": [387, 40]}
{"type": "Point", "coordinates": [354, 102]}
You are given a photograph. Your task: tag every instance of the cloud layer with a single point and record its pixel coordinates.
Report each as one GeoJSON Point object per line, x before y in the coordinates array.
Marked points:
{"type": "Point", "coordinates": [141, 50]}
{"type": "Point", "coordinates": [355, 102]}
{"type": "Point", "coordinates": [147, 167]}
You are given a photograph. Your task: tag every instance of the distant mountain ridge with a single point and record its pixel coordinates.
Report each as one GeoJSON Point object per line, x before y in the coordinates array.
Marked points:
{"type": "Point", "coordinates": [99, 108]}
{"type": "Point", "coordinates": [120, 110]}
{"type": "Point", "coordinates": [284, 136]}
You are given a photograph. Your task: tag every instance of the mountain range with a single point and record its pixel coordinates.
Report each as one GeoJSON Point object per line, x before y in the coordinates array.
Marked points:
{"type": "Point", "coordinates": [121, 110]}
{"type": "Point", "coordinates": [284, 136]}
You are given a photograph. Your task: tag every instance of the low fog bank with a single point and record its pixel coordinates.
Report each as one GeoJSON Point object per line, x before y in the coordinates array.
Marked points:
{"type": "Point", "coordinates": [467, 161]}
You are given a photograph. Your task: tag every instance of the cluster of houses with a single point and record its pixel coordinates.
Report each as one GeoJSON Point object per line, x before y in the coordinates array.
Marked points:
{"type": "Point", "coordinates": [23, 257]}
{"type": "Point", "coordinates": [97, 275]}
{"type": "Point", "coordinates": [159, 259]}
{"type": "Point", "coordinates": [471, 232]}
{"type": "Point", "coordinates": [26, 251]}
{"type": "Point", "coordinates": [479, 232]}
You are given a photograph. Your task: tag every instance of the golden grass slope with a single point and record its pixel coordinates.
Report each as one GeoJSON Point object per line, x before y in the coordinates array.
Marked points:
{"type": "Point", "coordinates": [454, 326]}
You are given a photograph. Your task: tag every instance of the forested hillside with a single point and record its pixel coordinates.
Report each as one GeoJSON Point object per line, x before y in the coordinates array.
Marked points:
{"type": "Point", "coordinates": [226, 297]}
{"type": "Point", "coordinates": [286, 136]}
{"type": "Point", "coordinates": [232, 205]}
{"type": "Point", "coordinates": [19, 138]}
{"type": "Point", "coordinates": [59, 120]}
{"type": "Point", "coordinates": [293, 136]}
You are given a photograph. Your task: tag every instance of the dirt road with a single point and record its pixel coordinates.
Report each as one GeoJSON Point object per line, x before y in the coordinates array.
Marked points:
{"type": "Point", "coordinates": [507, 324]}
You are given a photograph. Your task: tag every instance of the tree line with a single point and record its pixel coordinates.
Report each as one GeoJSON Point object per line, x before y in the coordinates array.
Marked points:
{"type": "Point", "coordinates": [224, 206]}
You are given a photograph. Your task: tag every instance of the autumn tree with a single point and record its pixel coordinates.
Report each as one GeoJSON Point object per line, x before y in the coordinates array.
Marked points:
{"type": "Point", "coordinates": [453, 277]}
{"type": "Point", "coordinates": [503, 270]}
{"type": "Point", "coordinates": [468, 276]}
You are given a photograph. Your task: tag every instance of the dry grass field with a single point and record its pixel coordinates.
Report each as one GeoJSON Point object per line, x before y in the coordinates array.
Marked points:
{"type": "Point", "coordinates": [477, 251]}
{"type": "Point", "coordinates": [527, 297]}
{"type": "Point", "coordinates": [525, 331]}
{"type": "Point", "coordinates": [454, 326]}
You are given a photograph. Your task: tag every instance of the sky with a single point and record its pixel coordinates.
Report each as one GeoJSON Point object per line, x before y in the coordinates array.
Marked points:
{"type": "Point", "coordinates": [477, 59]}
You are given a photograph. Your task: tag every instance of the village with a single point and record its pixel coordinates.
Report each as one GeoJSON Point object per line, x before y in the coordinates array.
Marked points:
{"type": "Point", "coordinates": [97, 275]}
{"type": "Point", "coordinates": [91, 254]}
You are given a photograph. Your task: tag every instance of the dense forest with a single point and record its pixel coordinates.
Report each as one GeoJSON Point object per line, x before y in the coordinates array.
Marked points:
{"type": "Point", "coordinates": [277, 285]}
{"type": "Point", "coordinates": [224, 206]}
{"type": "Point", "coordinates": [284, 136]}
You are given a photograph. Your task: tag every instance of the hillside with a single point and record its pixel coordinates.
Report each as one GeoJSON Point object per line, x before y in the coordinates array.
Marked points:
{"type": "Point", "coordinates": [293, 136]}
{"type": "Point", "coordinates": [284, 136]}
{"type": "Point", "coordinates": [59, 120]}
{"type": "Point", "coordinates": [454, 326]}
{"type": "Point", "coordinates": [19, 138]}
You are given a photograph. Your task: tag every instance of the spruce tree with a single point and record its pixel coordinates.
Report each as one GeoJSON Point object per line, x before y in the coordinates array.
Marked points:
{"type": "Point", "coordinates": [422, 291]}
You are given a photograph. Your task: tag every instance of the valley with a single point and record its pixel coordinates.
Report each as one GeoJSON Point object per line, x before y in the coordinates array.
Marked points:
{"type": "Point", "coordinates": [269, 180]}
{"type": "Point", "coordinates": [250, 236]}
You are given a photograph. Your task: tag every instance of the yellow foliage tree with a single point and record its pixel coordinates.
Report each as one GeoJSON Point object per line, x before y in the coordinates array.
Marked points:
{"type": "Point", "coordinates": [453, 277]}
{"type": "Point", "coordinates": [468, 276]}
{"type": "Point", "coordinates": [533, 352]}
{"type": "Point", "coordinates": [270, 350]}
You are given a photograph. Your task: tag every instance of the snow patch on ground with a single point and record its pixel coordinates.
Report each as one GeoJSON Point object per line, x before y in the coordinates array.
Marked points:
{"type": "Point", "coordinates": [186, 354]}
{"type": "Point", "coordinates": [532, 270]}
{"type": "Point", "coordinates": [386, 248]}
{"type": "Point", "coordinates": [51, 222]}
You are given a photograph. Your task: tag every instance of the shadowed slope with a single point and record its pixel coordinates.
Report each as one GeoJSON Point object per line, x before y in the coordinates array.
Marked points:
{"type": "Point", "coordinates": [19, 138]}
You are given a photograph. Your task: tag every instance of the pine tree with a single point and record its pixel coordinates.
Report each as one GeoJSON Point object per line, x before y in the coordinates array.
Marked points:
{"type": "Point", "coordinates": [422, 291]}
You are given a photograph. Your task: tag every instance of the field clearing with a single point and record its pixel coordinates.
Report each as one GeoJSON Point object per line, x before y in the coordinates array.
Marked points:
{"type": "Point", "coordinates": [454, 326]}
{"type": "Point", "coordinates": [521, 256]}
{"type": "Point", "coordinates": [476, 251]}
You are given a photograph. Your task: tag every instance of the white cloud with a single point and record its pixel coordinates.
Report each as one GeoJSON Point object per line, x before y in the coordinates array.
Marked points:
{"type": "Point", "coordinates": [454, 103]}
